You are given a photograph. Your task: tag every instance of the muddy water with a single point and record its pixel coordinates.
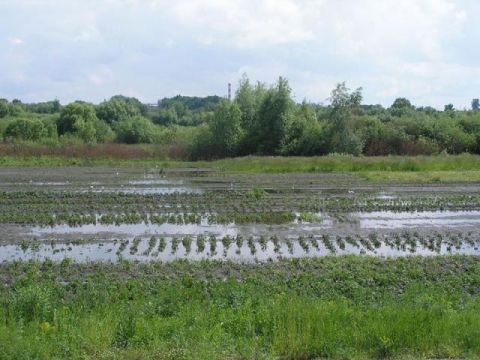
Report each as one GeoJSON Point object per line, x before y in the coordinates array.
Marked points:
{"type": "Point", "coordinates": [433, 233]}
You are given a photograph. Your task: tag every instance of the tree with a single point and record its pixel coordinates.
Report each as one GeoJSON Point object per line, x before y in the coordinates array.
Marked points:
{"type": "Point", "coordinates": [26, 129]}
{"type": "Point", "coordinates": [449, 108]}
{"type": "Point", "coordinates": [475, 104]}
{"type": "Point", "coordinates": [401, 106]}
{"type": "Point", "coordinates": [103, 132]}
{"type": "Point", "coordinates": [142, 108]}
{"type": "Point", "coordinates": [245, 99]}
{"type": "Point", "coordinates": [4, 109]}
{"type": "Point", "coordinates": [135, 130]}
{"type": "Point", "coordinates": [273, 115]}
{"type": "Point", "coordinates": [226, 129]}
{"type": "Point", "coordinates": [79, 119]}
{"type": "Point", "coordinates": [304, 134]}
{"type": "Point", "coordinates": [342, 98]}
{"type": "Point", "coordinates": [116, 110]}
{"type": "Point", "coordinates": [166, 117]}
{"type": "Point", "coordinates": [343, 104]}
{"type": "Point", "coordinates": [249, 99]}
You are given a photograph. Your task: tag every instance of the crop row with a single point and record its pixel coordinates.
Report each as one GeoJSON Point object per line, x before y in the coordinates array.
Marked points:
{"type": "Point", "coordinates": [73, 220]}
{"type": "Point", "coordinates": [221, 202]}
{"type": "Point", "coordinates": [404, 242]}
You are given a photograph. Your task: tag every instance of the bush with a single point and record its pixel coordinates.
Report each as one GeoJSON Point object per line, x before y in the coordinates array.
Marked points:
{"type": "Point", "coordinates": [26, 129]}
{"type": "Point", "coordinates": [116, 110]}
{"type": "Point", "coordinates": [3, 108]}
{"type": "Point", "coordinates": [79, 119]}
{"type": "Point", "coordinates": [136, 130]}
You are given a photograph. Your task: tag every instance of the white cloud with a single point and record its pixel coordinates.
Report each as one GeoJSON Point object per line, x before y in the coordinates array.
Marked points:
{"type": "Point", "coordinates": [100, 76]}
{"type": "Point", "coordinates": [429, 83]}
{"type": "Point", "coordinates": [243, 23]}
{"type": "Point", "coordinates": [371, 27]}
{"type": "Point", "coordinates": [15, 40]}
{"type": "Point", "coordinates": [90, 48]}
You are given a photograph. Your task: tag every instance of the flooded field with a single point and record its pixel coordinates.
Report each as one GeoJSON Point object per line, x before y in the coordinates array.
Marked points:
{"type": "Point", "coordinates": [108, 214]}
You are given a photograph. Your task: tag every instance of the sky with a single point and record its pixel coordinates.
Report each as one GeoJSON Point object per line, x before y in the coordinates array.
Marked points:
{"type": "Point", "coordinates": [424, 50]}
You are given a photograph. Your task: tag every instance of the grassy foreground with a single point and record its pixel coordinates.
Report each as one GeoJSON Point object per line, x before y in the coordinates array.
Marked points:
{"type": "Point", "coordinates": [333, 307]}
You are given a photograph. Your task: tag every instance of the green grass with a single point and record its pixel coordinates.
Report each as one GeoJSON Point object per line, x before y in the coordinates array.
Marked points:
{"type": "Point", "coordinates": [344, 163]}
{"type": "Point", "coordinates": [428, 169]}
{"type": "Point", "coordinates": [339, 307]}
{"type": "Point", "coordinates": [459, 176]}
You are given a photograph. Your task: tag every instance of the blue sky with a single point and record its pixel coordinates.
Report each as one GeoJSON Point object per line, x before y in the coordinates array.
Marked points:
{"type": "Point", "coordinates": [425, 50]}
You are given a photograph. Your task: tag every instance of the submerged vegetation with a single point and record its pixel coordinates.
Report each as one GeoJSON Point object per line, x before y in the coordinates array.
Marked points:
{"type": "Point", "coordinates": [49, 208]}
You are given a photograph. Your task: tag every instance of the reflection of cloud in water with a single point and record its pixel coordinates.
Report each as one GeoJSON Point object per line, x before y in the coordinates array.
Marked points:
{"type": "Point", "coordinates": [395, 220]}
{"type": "Point", "coordinates": [156, 182]}
{"type": "Point", "coordinates": [148, 190]}
{"type": "Point", "coordinates": [138, 229]}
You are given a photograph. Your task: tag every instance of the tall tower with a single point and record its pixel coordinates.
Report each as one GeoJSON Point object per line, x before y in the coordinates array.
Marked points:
{"type": "Point", "coordinates": [229, 92]}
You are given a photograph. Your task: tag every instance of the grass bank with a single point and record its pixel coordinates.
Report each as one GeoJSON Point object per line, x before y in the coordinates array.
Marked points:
{"type": "Point", "coordinates": [427, 169]}
{"type": "Point", "coordinates": [268, 164]}
{"type": "Point", "coordinates": [339, 307]}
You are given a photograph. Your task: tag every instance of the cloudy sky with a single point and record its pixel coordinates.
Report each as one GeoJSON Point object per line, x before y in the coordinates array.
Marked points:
{"type": "Point", "coordinates": [425, 50]}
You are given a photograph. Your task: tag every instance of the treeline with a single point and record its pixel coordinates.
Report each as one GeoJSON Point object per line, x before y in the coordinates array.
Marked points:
{"type": "Point", "coordinates": [260, 119]}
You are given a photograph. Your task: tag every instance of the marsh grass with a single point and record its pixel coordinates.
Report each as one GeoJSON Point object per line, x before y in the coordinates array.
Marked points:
{"type": "Point", "coordinates": [422, 169]}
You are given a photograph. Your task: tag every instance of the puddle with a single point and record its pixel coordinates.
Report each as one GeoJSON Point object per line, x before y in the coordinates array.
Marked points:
{"type": "Point", "coordinates": [386, 196]}
{"type": "Point", "coordinates": [156, 182]}
{"type": "Point", "coordinates": [395, 220]}
{"type": "Point", "coordinates": [175, 250]}
{"type": "Point", "coordinates": [146, 190]}
{"type": "Point", "coordinates": [141, 229]}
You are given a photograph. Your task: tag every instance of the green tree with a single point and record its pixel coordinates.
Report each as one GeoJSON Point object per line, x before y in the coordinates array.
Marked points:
{"type": "Point", "coordinates": [304, 134]}
{"type": "Point", "coordinates": [142, 108]}
{"type": "Point", "coordinates": [79, 119]}
{"type": "Point", "coordinates": [226, 129]}
{"type": "Point", "coordinates": [166, 117]}
{"type": "Point", "coordinates": [136, 130]}
{"type": "Point", "coordinates": [475, 104]}
{"type": "Point", "coordinates": [116, 110]}
{"type": "Point", "coordinates": [26, 129]}
{"type": "Point", "coordinates": [103, 132]}
{"type": "Point", "coordinates": [401, 107]}
{"type": "Point", "coordinates": [449, 107]}
{"type": "Point", "coordinates": [4, 111]}
{"type": "Point", "coordinates": [249, 99]}
{"type": "Point", "coordinates": [273, 116]}
{"type": "Point", "coordinates": [344, 104]}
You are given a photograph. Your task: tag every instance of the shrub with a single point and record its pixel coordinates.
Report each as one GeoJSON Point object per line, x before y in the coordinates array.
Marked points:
{"type": "Point", "coordinates": [26, 129]}
{"type": "Point", "coordinates": [79, 119]}
{"type": "Point", "coordinates": [136, 130]}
